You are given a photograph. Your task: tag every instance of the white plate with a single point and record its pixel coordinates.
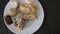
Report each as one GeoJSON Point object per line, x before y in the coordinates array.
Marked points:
{"type": "Point", "coordinates": [31, 26]}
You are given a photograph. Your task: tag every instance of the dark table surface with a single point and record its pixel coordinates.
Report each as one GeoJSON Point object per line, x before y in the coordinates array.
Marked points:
{"type": "Point", "coordinates": [51, 24]}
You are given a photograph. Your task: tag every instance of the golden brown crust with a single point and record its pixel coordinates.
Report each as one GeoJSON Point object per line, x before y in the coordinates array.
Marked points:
{"type": "Point", "coordinates": [12, 12]}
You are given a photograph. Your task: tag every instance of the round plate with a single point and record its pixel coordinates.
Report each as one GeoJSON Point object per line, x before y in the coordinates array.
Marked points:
{"type": "Point", "coordinates": [31, 26]}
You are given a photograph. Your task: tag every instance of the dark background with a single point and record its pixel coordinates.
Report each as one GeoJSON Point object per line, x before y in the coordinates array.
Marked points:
{"type": "Point", "coordinates": [51, 24]}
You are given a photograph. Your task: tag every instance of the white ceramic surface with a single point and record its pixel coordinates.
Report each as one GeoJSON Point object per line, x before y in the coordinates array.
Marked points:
{"type": "Point", "coordinates": [31, 26]}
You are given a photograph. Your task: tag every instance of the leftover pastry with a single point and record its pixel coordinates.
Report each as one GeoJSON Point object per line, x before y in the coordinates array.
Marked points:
{"type": "Point", "coordinates": [30, 16]}
{"type": "Point", "coordinates": [28, 8]}
{"type": "Point", "coordinates": [12, 12]}
{"type": "Point", "coordinates": [20, 23]}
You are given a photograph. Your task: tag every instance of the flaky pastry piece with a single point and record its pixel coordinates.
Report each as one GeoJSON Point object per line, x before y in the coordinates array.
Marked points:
{"type": "Point", "coordinates": [20, 23]}
{"type": "Point", "coordinates": [30, 16]}
{"type": "Point", "coordinates": [12, 12]}
{"type": "Point", "coordinates": [28, 8]}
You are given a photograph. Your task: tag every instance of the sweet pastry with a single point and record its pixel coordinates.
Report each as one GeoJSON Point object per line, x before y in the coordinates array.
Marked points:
{"type": "Point", "coordinates": [30, 16]}
{"type": "Point", "coordinates": [20, 23]}
{"type": "Point", "coordinates": [12, 12]}
{"type": "Point", "coordinates": [28, 8]}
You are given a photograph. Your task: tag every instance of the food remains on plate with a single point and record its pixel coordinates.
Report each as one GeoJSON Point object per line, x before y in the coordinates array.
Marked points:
{"type": "Point", "coordinates": [8, 19]}
{"type": "Point", "coordinates": [12, 12]}
{"type": "Point", "coordinates": [22, 13]}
